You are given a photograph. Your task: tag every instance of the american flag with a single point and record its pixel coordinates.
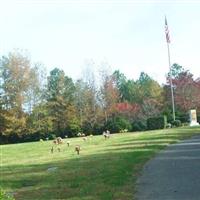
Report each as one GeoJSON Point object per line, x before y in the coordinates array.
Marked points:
{"type": "Point", "coordinates": [167, 31]}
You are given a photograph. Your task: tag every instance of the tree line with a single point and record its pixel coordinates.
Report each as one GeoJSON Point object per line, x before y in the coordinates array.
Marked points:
{"type": "Point", "coordinates": [35, 105]}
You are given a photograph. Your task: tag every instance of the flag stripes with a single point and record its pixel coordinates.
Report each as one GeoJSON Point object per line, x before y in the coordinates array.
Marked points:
{"type": "Point", "coordinates": [167, 31]}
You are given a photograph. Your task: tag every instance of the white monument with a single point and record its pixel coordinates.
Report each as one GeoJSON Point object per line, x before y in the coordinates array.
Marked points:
{"type": "Point", "coordinates": [193, 118]}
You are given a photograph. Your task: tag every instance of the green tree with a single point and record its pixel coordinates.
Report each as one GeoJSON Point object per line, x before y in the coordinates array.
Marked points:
{"type": "Point", "coordinates": [120, 81]}
{"type": "Point", "coordinates": [150, 95]}
{"type": "Point", "coordinates": [60, 101]}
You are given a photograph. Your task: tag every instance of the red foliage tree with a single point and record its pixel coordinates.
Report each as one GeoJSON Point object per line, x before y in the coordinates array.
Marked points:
{"type": "Point", "coordinates": [125, 107]}
{"type": "Point", "coordinates": [186, 91]}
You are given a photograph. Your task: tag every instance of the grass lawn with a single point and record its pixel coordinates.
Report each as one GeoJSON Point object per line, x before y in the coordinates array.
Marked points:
{"type": "Point", "coordinates": [105, 169]}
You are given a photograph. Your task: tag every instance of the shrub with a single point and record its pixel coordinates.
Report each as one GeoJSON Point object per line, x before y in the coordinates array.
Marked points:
{"type": "Point", "coordinates": [3, 139]}
{"type": "Point", "coordinates": [185, 124]}
{"type": "Point", "coordinates": [98, 128]}
{"type": "Point", "coordinates": [32, 137]}
{"type": "Point", "coordinates": [168, 125]}
{"type": "Point", "coordinates": [71, 130]}
{"type": "Point", "coordinates": [118, 124]}
{"type": "Point", "coordinates": [157, 122]}
{"type": "Point", "coordinates": [14, 138]}
{"type": "Point", "coordinates": [183, 118]}
{"type": "Point", "coordinates": [198, 118]}
{"type": "Point", "coordinates": [139, 126]}
{"type": "Point", "coordinates": [4, 195]}
{"type": "Point", "coordinates": [52, 136]}
{"type": "Point", "coordinates": [87, 128]}
{"type": "Point", "coordinates": [176, 123]}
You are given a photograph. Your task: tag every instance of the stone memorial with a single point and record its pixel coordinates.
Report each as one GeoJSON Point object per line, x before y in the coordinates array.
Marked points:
{"type": "Point", "coordinates": [193, 118]}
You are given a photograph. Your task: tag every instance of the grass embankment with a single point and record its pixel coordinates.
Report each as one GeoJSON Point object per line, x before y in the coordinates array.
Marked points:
{"type": "Point", "coordinates": [105, 169]}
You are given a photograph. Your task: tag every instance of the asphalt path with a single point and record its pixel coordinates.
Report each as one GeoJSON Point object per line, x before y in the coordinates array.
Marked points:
{"type": "Point", "coordinates": [174, 174]}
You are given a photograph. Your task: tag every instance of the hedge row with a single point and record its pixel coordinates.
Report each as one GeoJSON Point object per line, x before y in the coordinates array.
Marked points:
{"type": "Point", "coordinates": [157, 122]}
{"type": "Point", "coordinates": [114, 125]}
{"type": "Point", "coordinates": [198, 118]}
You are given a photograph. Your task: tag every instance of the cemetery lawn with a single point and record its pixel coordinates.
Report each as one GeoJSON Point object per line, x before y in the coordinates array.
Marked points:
{"type": "Point", "coordinates": [104, 170]}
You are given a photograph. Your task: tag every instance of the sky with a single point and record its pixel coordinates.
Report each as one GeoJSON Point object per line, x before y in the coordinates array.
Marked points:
{"type": "Point", "coordinates": [126, 35]}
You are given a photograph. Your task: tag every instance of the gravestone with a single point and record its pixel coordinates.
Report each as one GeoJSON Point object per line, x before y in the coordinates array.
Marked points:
{"type": "Point", "coordinates": [193, 118]}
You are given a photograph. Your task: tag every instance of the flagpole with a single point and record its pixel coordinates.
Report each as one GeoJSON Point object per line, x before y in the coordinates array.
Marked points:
{"type": "Point", "coordinates": [171, 84]}
{"type": "Point", "coordinates": [170, 72]}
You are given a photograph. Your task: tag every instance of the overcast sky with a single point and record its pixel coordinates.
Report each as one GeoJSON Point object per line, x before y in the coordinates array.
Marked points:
{"type": "Point", "coordinates": [128, 35]}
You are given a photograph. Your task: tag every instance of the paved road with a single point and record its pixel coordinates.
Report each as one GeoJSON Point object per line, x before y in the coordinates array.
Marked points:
{"type": "Point", "coordinates": [172, 175]}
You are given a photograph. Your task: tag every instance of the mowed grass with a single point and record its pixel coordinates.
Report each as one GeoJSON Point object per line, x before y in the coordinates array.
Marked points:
{"type": "Point", "coordinates": [105, 169]}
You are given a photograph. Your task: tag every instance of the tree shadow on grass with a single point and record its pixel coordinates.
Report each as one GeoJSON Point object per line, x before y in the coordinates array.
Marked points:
{"type": "Point", "coordinates": [101, 176]}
